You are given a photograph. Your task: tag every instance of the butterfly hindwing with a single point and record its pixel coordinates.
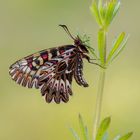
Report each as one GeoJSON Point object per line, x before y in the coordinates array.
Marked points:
{"type": "Point", "coordinates": [57, 84]}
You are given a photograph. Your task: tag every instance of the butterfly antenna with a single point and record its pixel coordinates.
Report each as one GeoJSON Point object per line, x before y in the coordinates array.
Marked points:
{"type": "Point", "coordinates": [67, 31]}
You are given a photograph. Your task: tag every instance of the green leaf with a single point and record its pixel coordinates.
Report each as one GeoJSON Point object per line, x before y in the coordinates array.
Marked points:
{"type": "Point", "coordinates": [115, 47]}
{"type": "Point", "coordinates": [103, 128]}
{"type": "Point", "coordinates": [83, 128]}
{"type": "Point", "coordinates": [117, 137]}
{"type": "Point", "coordinates": [109, 12]}
{"type": "Point", "coordinates": [127, 136]}
{"type": "Point", "coordinates": [105, 136]}
{"type": "Point", "coordinates": [116, 9]}
{"type": "Point", "coordinates": [101, 45]}
{"type": "Point", "coordinates": [102, 14]}
{"type": "Point", "coordinates": [74, 133]}
{"type": "Point", "coordinates": [102, 11]}
{"type": "Point", "coordinates": [87, 134]}
{"type": "Point", "coordinates": [95, 12]}
{"type": "Point", "coordinates": [121, 49]}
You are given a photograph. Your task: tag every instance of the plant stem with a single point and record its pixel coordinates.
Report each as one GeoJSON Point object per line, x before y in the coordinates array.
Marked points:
{"type": "Point", "coordinates": [102, 43]}
{"type": "Point", "coordinates": [99, 102]}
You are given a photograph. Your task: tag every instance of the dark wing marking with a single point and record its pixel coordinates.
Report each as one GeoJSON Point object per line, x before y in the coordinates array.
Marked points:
{"type": "Point", "coordinates": [27, 70]}
{"type": "Point", "coordinates": [56, 84]}
{"type": "Point", "coordinates": [50, 72]}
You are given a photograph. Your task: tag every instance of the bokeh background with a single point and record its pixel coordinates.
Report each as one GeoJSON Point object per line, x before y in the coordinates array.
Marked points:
{"type": "Point", "coordinates": [27, 26]}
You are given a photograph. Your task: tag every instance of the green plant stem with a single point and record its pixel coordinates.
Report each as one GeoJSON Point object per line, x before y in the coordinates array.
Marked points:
{"type": "Point", "coordinates": [102, 43]}
{"type": "Point", "coordinates": [99, 102]}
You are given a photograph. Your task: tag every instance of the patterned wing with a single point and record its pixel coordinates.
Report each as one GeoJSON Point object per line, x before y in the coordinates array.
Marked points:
{"type": "Point", "coordinates": [56, 84]}
{"type": "Point", "coordinates": [27, 70]}
{"type": "Point", "coordinates": [51, 71]}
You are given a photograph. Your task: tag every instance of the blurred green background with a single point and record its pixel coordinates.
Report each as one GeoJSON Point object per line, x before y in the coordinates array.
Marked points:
{"type": "Point", "coordinates": [27, 26]}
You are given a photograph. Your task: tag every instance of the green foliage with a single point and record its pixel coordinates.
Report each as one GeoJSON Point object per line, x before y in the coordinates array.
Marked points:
{"type": "Point", "coordinates": [118, 45]}
{"type": "Point", "coordinates": [74, 133]}
{"type": "Point", "coordinates": [83, 128]}
{"type": "Point", "coordinates": [95, 12]}
{"type": "Point", "coordinates": [104, 13]}
{"type": "Point", "coordinates": [102, 133]}
{"type": "Point", "coordinates": [103, 128]}
{"type": "Point", "coordinates": [125, 137]}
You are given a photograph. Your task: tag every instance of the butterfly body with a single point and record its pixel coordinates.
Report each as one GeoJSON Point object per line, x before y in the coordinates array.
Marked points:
{"type": "Point", "coordinates": [52, 70]}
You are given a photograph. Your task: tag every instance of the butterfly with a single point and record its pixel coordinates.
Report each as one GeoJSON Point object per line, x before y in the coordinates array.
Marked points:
{"type": "Point", "coordinates": [52, 70]}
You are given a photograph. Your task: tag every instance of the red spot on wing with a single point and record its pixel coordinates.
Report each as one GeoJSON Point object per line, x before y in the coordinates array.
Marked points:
{"type": "Point", "coordinates": [29, 60]}
{"type": "Point", "coordinates": [62, 51]}
{"type": "Point", "coordinates": [45, 56]}
{"type": "Point", "coordinates": [30, 65]}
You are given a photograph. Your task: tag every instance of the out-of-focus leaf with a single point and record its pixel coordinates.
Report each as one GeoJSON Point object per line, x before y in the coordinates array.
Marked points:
{"type": "Point", "coordinates": [74, 133]}
{"type": "Point", "coordinates": [117, 7]}
{"type": "Point", "coordinates": [87, 134]}
{"type": "Point", "coordinates": [115, 47]}
{"type": "Point", "coordinates": [103, 128]}
{"type": "Point", "coordinates": [83, 128]}
{"type": "Point", "coordinates": [127, 136]}
{"type": "Point", "coordinates": [95, 12]}
{"type": "Point", "coordinates": [105, 136]}
{"type": "Point", "coordinates": [117, 137]}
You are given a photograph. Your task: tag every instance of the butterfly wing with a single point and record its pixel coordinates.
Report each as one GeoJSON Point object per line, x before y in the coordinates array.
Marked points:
{"type": "Point", "coordinates": [51, 71]}
{"type": "Point", "coordinates": [27, 70]}
{"type": "Point", "coordinates": [56, 84]}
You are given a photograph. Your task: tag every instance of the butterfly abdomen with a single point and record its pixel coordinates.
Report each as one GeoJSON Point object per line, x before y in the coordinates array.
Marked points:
{"type": "Point", "coordinates": [78, 72]}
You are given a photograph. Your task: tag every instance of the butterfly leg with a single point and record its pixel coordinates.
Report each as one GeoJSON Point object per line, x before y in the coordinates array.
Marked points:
{"type": "Point", "coordinates": [89, 60]}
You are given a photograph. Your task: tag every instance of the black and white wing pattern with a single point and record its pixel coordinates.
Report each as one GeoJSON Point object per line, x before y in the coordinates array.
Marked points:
{"type": "Point", "coordinates": [51, 71]}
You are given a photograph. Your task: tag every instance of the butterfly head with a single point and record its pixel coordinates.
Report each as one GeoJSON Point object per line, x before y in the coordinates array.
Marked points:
{"type": "Point", "coordinates": [81, 42]}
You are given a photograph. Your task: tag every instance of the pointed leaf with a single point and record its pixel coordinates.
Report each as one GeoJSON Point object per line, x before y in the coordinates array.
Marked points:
{"type": "Point", "coordinates": [102, 11]}
{"type": "Point", "coordinates": [102, 14]}
{"type": "Point", "coordinates": [121, 49]}
{"type": "Point", "coordinates": [117, 137]}
{"type": "Point", "coordinates": [117, 7]}
{"type": "Point", "coordinates": [74, 133]}
{"type": "Point", "coordinates": [127, 136]}
{"type": "Point", "coordinates": [103, 128]}
{"type": "Point", "coordinates": [87, 134]}
{"type": "Point", "coordinates": [95, 12]}
{"type": "Point", "coordinates": [83, 128]}
{"type": "Point", "coordinates": [105, 136]}
{"type": "Point", "coordinates": [116, 45]}
{"type": "Point", "coordinates": [109, 12]}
